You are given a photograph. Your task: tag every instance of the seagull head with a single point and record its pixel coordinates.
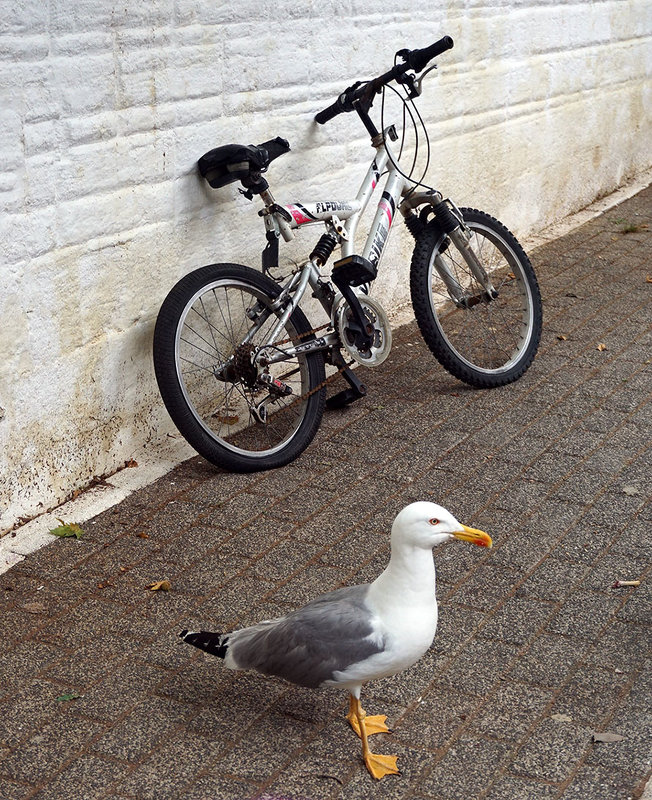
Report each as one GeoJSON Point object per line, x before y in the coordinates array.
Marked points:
{"type": "Point", "coordinates": [426, 525]}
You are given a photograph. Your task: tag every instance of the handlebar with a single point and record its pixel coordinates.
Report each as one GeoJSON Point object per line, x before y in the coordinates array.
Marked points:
{"type": "Point", "coordinates": [413, 59]}
{"type": "Point", "coordinates": [418, 59]}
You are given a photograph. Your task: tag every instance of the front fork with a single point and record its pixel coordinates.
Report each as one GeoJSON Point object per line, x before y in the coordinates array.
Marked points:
{"type": "Point", "coordinates": [452, 225]}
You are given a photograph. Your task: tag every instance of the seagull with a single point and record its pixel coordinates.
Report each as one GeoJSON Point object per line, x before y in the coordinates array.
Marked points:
{"type": "Point", "coordinates": [357, 633]}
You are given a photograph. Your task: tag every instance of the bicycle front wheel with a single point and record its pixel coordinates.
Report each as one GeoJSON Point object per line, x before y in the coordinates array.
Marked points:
{"type": "Point", "coordinates": [207, 332]}
{"type": "Point", "coordinates": [484, 341]}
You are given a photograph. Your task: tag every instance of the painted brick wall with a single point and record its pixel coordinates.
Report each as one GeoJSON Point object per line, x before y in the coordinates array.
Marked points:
{"type": "Point", "coordinates": [105, 108]}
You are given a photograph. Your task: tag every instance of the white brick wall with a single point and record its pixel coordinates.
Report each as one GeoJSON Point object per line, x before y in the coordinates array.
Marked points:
{"type": "Point", "coordinates": [105, 108]}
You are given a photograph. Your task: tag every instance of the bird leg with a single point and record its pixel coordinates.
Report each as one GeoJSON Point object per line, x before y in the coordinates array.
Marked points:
{"type": "Point", "coordinates": [378, 765]}
{"type": "Point", "coordinates": [373, 724]}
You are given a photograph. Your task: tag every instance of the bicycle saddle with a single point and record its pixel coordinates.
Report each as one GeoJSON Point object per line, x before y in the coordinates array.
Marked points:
{"type": "Point", "coordinates": [233, 162]}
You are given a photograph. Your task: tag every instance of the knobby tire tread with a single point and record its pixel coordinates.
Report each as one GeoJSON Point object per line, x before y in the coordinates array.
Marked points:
{"type": "Point", "coordinates": [421, 303]}
{"type": "Point", "coordinates": [170, 389]}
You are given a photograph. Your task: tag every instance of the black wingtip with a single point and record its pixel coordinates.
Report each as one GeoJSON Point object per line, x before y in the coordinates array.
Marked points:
{"type": "Point", "coordinates": [214, 643]}
{"type": "Point", "coordinates": [183, 633]}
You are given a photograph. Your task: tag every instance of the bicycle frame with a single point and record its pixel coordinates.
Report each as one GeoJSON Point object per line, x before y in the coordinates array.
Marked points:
{"type": "Point", "coordinates": [344, 217]}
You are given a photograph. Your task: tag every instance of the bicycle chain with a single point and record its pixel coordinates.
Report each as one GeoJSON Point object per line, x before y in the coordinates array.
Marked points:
{"type": "Point", "coordinates": [327, 380]}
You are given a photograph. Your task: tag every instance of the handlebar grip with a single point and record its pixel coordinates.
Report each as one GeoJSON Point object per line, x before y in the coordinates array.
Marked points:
{"type": "Point", "coordinates": [328, 113]}
{"type": "Point", "coordinates": [418, 59]}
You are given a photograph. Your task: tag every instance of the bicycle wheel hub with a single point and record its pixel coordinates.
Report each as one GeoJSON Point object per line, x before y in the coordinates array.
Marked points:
{"type": "Point", "coordinates": [243, 366]}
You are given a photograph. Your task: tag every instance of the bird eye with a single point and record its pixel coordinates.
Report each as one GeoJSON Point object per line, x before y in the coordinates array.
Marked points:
{"type": "Point", "coordinates": [433, 521]}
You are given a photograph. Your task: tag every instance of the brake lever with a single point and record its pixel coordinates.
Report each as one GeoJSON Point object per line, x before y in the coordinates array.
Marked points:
{"type": "Point", "coordinates": [418, 88]}
{"type": "Point", "coordinates": [408, 80]}
{"type": "Point", "coordinates": [412, 83]}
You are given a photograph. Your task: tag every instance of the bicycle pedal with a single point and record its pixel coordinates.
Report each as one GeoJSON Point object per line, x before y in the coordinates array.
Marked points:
{"type": "Point", "coordinates": [353, 271]}
{"type": "Point", "coordinates": [343, 399]}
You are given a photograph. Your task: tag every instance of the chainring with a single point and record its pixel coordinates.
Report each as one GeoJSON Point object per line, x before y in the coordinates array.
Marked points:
{"type": "Point", "coordinates": [382, 332]}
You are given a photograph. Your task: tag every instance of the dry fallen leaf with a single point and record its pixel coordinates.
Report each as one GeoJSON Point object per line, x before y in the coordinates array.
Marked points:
{"type": "Point", "coordinates": [630, 491]}
{"type": "Point", "coordinates": [159, 586]}
{"type": "Point", "coordinates": [607, 737]}
{"type": "Point", "coordinates": [34, 608]}
{"type": "Point", "coordinates": [618, 584]}
{"type": "Point", "coordinates": [648, 279]}
{"type": "Point", "coordinates": [602, 347]}
{"type": "Point", "coordinates": [561, 717]}
{"type": "Point", "coordinates": [562, 337]}
{"type": "Point", "coordinates": [131, 463]}
{"type": "Point", "coordinates": [142, 535]}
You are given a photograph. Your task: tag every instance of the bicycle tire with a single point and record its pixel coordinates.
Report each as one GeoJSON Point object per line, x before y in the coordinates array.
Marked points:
{"type": "Point", "coordinates": [215, 413]}
{"type": "Point", "coordinates": [493, 342]}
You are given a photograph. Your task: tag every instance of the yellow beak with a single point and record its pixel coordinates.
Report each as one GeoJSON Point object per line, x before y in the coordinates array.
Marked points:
{"type": "Point", "coordinates": [474, 536]}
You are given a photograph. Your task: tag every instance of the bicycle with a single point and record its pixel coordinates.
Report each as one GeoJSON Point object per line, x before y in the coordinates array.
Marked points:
{"type": "Point", "coordinates": [240, 368]}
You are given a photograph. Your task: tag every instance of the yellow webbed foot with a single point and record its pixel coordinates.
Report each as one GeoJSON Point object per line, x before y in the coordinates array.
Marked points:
{"type": "Point", "coordinates": [379, 766]}
{"type": "Point", "coordinates": [374, 724]}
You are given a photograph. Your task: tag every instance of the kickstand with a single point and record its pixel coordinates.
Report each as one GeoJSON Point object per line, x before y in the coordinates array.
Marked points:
{"type": "Point", "coordinates": [356, 389]}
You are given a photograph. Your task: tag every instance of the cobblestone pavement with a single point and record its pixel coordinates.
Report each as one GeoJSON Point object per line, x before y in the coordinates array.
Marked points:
{"type": "Point", "coordinates": [535, 652]}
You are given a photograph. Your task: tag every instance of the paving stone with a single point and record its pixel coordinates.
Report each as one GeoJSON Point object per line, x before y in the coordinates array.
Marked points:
{"type": "Point", "coordinates": [552, 751]}
{"type": "Point", "coordinates": [310, 778]}
{"type": "Point", "coordinates": [91, 660]}
{"type": "Point", "coordinates": [479, 665]}
{"type": "Point", "coordinates": [599, 784]}
{"type": "Point", "coordinates": [411, 761]}
{"type": "Point", "coordinates": [513, 788]}
{"type": "Point", "coordinates": [552, 580]}
{"type": "Point", "coordinates": [631, 720]}
{"type": "Point", "coordinates": [85, 778]}
{"type": "Point", "coordinates": [440, 715]}
{"type": "Point", "coordinates": [511, 709]}
{"type": "Point", "coordinates": [123, 688]}
{"type": "Point", "coordinates": [220, 787]}
{"type": "Point", "coordinates": [406, 687]}
{"type": "Point", "coordinates": [264, 750]}
{"type": "Point", "coordinates": [19, 663]}
{"type": "Point", "coordinates": [549, 659]}
{"type": "Point", "coordinates": [308, 584]}
{"type": "Point", "coordinates": [456, 623]}
{"type": "Point", "coordinates": [10, 790]}
{"type": "Point", "coordinates": [48, 749]}
{"type": "Point", "coordinates": [172, 767]}
{"type": "Point", "coordinates": [347, 551]}
{"type": "Point", "coordinates": [213, 570]}
{"type": "Point", "coordinates": [466, 768]}
{"type": "Point", "coordinates": [518, 620]}
{"type": "Point", "coordinates": [638, 605]}
{"type": "Point", "coordinates": [583, 615]}
{"type": "Point", "coordinates": [237, 703]}
{"type": "Point", "coordinates": [146, 725]}
{"type": "Point", "coordinates": [258, 536]}
{"type": "Point", "coordinates": [591, 695]}
{"type": "Point", "coordinates": [222, 611]}
{"type": "Point", "coordinates": [27, 710]}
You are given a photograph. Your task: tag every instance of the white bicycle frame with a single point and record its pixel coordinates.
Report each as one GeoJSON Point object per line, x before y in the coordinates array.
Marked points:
{"type": "Point", "coordinates": [344, 217]}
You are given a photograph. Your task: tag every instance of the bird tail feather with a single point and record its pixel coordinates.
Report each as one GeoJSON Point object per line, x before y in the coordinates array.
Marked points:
{"type": "Point", "coordinates": [214, 643]}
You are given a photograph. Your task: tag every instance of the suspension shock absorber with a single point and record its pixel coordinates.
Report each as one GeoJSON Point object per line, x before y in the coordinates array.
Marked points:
{"type": "Point", "coordinates": [324, 248]}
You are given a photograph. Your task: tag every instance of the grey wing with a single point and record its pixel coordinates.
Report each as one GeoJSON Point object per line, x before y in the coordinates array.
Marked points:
{"type": "Point", "coordinates": [310, 644]}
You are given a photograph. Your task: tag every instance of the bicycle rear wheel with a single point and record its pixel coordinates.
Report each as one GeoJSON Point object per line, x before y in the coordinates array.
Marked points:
{"type": "Point", "coordinates": [207, 332]}
{"type": "Point", "coordinates": [485, 342]}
